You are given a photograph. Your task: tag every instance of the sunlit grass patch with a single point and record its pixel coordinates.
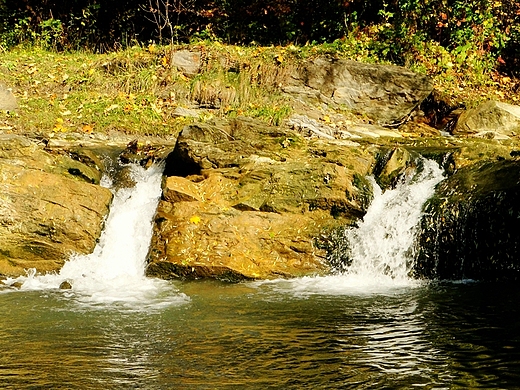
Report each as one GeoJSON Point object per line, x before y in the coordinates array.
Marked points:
{"type": "Point", "coordinates": [137, 90]}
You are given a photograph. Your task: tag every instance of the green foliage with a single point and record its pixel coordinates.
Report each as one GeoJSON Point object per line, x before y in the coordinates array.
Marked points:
{"type": "Point", "coordinates": [392, 31]}
{"type": "Point", "coordinates": [48, 34]}
{"type": "Point", "coordinates": [464, 27]}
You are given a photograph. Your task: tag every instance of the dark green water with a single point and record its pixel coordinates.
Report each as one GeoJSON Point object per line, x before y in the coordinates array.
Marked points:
{"type": "Point", "coordinates": [266, 336]}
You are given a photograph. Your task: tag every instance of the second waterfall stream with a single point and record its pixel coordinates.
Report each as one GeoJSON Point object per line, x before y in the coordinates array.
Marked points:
{"type": "Point", "coordinates": [381, 248]}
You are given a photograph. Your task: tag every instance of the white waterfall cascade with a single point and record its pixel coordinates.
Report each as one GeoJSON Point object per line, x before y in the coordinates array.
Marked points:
{"type": "Point", "coordinates": [115, 271]}
{"type": "Point", "coordinates": [382, 246]}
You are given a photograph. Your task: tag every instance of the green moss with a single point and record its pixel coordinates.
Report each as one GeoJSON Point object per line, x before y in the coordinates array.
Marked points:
{"type": "Point", "coordinates": [365, 189]}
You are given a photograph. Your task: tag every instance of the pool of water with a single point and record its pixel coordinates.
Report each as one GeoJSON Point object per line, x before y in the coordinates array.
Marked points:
{"type": "Point", "coordinates": [275, 335]}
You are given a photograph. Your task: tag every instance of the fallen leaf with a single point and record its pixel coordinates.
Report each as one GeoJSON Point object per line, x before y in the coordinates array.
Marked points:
{"type": "Point", "coordinates": [59, 126]}
{"type": "Point", "coordinates": [156, 109]}
{"type": "Point", "coordinates": [195, 219]}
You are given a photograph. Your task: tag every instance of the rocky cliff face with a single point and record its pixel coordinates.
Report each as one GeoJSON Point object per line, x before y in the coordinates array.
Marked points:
{"type": "Point", "coordinates": [470, 229]}
{"type": "Point", "coordinates": [385, 93]}
{"type": "Point", "coordinates": [50, 207]}
{"type": "Point", "coordinates": [246, 200]}
{"type": "Point", "coordinates": [242, 199]}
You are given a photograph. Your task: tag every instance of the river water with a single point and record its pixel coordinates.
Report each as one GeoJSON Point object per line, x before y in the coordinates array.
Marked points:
{"type": "Point", "coordinates": [367, 327]}
{"type": "Point", "coordinates": [249, 336]}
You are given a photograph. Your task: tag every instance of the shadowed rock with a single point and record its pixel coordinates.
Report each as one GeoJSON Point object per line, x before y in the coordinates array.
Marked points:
{"type": "Point", "coordinates": [470, 227]}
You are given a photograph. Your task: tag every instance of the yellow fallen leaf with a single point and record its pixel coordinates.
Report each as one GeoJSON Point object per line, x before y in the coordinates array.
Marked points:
{"type": "Point", "coordinates": [59, 126]}
{"type": "Point", "coordinates": [87, 129]}
{"type": "Point", "coordinates": [156, 109]}
{"type": "Point", "coordinates": [195, 219]}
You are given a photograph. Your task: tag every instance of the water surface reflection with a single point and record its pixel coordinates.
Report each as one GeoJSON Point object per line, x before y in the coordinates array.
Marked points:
{"type": "Point", "coordinates": [251, 336]}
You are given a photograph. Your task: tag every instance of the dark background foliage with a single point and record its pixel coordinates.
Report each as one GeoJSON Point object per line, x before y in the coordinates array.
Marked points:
{"type": "Point", "coordinates": [397, 26]}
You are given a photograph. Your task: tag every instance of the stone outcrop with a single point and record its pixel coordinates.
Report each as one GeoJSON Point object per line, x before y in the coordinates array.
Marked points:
{"type": "Point", "coordinates": [245, 200]}
{"type": "Point", "coordinates": [492, 120]}
{"type": "Point", "coordinates": [7, 99]}
{"type": "Point", "coordinates": [385, 93]}
{"type": "Point", "coordinates": [186, 61]}
{"type": "Point", "coordinates": [470, 227]}
{"type": "Point", "coordinates": [50, 207]}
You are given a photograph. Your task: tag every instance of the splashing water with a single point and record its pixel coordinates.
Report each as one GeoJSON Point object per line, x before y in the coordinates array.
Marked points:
{"type": "Point", "coordinates": [381, 248]}
{"type": "Point", "coordinates": [115, 271]}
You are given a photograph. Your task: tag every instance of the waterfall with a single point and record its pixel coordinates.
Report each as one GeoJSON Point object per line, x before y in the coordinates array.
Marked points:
{"type": "Point", "coordinates": [115, 271]}
{"type": "Point", "coordinates": [381, 249]}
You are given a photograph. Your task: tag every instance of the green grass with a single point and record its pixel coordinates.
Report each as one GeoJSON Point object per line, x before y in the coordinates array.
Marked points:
{"type": "Point", "coordinates": [136, 90]}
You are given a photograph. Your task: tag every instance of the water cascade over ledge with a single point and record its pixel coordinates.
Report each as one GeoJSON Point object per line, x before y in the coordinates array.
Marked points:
{"type": "Point", "coordinates": [115, 271]}
{"type": "Point", "coordinates": [379, 253]}
{"type": "Point", "coordinates": [382, 247]}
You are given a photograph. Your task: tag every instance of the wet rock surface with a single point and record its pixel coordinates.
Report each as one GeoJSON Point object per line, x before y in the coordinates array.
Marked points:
{"type": "Point", "coordinates": [49, 207]}
{"type": "Point", "coordinates": [246, 200]}
{"type": "Point", "coordinates": [470, 229]}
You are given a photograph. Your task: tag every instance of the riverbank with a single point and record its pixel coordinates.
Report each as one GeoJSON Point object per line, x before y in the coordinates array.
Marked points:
{"type": "Point", "coordinates": [267, 149]}
{"type": "Point", "coordinates": [153, 90]}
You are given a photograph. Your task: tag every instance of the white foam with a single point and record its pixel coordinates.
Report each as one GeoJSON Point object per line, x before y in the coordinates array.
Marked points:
{"type": "Point", "coordinates": [337, 285]}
